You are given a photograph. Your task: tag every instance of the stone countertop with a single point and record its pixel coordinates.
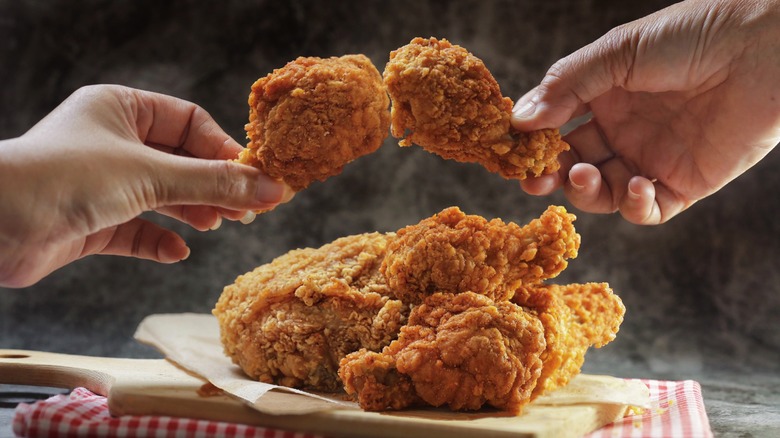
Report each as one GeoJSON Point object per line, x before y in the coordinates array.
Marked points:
{"type": "Point", "coordinates": [702, 291]}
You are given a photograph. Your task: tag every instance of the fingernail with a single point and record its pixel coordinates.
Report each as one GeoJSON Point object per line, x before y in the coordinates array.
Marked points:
{"type": "Point", "coordinates": [248, 218]}
{"type": "Point", "coordinates": [187, 255]}
{"type": "Point", "coordinates": [525, 111]}
{"type": "Point", "coordinates": [288, 194]}
{"type": "Point", "coordinates": [270, 191]}
{"type": "Point", "coordinates": [632, 194]}
{"type": "Point", "coordinates": [575, 186]}
{"type": "Point", "coordinates": [217, 224]}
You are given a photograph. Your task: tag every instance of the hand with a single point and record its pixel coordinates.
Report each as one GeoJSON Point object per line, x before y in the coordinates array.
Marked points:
{"type": "Point", "coordinates": [75, 183]}
{"type": "Point", "coordinates": [682, 102]}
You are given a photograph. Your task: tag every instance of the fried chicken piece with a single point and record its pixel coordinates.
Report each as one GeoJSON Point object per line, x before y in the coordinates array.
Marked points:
{"type": "Point", "coordinates": [575, 317]}
{"type": "Point", "coordinates": [291, 321]}
{"type": "Point", "coordinates": [454, 252]}
{"type": "Point", "coordinates": [445, 100]}
{"type": "Point", "coordinates": [312, 116]}
{"type": "Point", "coordinates": [460, 350]}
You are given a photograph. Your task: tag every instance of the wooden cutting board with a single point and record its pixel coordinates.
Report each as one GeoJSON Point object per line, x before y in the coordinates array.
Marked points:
{"type": "Point", "coordinates": [158, 387]}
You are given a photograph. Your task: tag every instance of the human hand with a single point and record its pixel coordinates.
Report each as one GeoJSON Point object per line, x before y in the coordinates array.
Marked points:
{"type": "Point", "coordinates": [76, 183]}
{"type": "Point", "coordinates": [682, 102]}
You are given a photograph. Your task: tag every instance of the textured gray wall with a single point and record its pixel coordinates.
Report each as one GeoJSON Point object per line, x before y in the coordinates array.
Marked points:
{"type": "Point", "coordinates": [702, 291]}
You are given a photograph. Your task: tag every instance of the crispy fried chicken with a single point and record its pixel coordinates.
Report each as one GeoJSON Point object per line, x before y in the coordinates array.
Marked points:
{"type": "Point", "coordinates": [483, 330]}
{"type": "Point", "coordinates": [461, 350]}
{"type": "Point", "coordinates": [445, 100]}
{"type": "Point", "coordinates": [292, 320]}
{"type": "Point", "coordinates": [466, 351]}
{"type": "Point", "coordinates": [312, 116]}
{"type": "Point", "coordinates": [575, 317]}
{"type": "Point", "coordinates": [455, 252]}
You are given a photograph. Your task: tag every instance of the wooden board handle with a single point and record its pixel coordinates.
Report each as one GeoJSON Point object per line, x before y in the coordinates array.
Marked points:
{"type": "Point", "coordinates": [22, 367]}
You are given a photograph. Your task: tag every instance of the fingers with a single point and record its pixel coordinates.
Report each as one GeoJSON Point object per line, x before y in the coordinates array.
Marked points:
{"type": "Point", "coordinates": [204, 217]}
{"type": "Point", "coordinates": [535, 111]}
{"type": "Point", "coordinates": [587, 191]}
{"type": "Point", "coordinates": [541, 185]}
{"type": "Point", "coordinates": [200, 217]}
{"type": "Point", "coordinates": [234, 187]}
{"type": "Point", "coordinates": [639, 204]}
{"type": "Point", "coordinates": [612, 188]}
{"type": "Point", "coordinates": [138, 238]}
{"type": "Point", "coordinates": [596, 180]}
{"type": "Point", "coordinates": [185, 129]}
{"type": "Point", "coordinates": [574, 81]}
{"type": "Point", "coordinates": [169, 123]}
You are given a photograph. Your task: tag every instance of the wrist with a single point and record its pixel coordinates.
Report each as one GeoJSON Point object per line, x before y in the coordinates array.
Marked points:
{"type": "Point", "coordinates": [17, 192]}
{"type": "Point", "coordinates": [11, 216]}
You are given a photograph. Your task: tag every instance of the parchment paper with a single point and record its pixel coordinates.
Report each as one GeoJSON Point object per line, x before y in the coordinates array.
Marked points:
{"type": "Point", "coordinates": [192, 341]}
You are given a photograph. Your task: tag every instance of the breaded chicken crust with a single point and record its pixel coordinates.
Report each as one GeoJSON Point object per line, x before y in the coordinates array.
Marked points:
{"type": "Point", "coordinates": [291, 321]}
{"type": "Point", "coordinates": [465, 350]}
{"type": "Point", "coordinates": [459, 350]}
{"type": "Point", "coordinates": [313, 116]}
{"type": "Point", "coordinates": [452, 311]}
{"type": "Point", "coordinates": [445, 100]}
{"type": "Point", "coordinates": [455, 252]}
{"type": "Point", "coordinates": [575, 317]}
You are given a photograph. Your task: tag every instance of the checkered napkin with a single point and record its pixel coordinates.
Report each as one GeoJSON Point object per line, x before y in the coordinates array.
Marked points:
{"type": "Point", "coordinates": [677, 411]}
{"type": "Point", "coordinates": [84, 414]}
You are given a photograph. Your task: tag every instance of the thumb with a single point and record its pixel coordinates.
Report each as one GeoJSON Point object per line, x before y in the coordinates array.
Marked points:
{"type": "Point", "coordinates": [574, 81]}
{"type": "Point", "coordinates": [220, 183]}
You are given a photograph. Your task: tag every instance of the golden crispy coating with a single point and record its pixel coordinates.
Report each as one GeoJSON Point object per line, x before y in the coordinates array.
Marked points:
{"type": "Point", "coordinates": [459, 350]}
{"type": "Point", "coordinates": [483, 329]}
{"type": "Point", "coordinates": [374, 381]}
{"type": "Point", "coordinates": [445, 100]}
{"type": "Point", "coordinates": [454, 252]}
{"type": "Point", "coordinates": [575, 317]}
{"type": "Point", "coordinates": [312, 116]}
{"type": "Point", "coordinates": [291, 321]}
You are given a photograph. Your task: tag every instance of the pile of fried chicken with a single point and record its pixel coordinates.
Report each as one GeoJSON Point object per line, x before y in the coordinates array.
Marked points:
{"type": "Point", "coordinates": [453, 311]}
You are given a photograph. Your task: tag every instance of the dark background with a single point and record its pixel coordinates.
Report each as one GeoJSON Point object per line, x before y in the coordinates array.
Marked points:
{"type": "Point", "coordinates": [702, 291]}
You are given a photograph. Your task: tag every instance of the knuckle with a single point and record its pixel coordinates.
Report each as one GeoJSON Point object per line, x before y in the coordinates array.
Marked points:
{"type": "Point", "coordinates": [556, 74]}
{"type": "Point", "coordinates": [231, 181]}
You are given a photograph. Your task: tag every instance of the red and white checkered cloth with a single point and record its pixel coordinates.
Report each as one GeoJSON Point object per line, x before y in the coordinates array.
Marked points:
{"type": "Point", "coordinates": [677, 411]}
{"type": "Point", "coordinates": [84, 414]}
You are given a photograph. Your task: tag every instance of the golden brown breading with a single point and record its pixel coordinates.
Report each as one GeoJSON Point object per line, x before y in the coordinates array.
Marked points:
{"type": "Point", "coordinates": [575, 317]}
{"type": "Point", "coordinates": [292, 320]}
{"type": "Point", "coordinates": [374, 381]}
{"type": "Point", "coordinates": [483, 329]}
{"type": "Point", "coordinates": [455, 252]}
{"type": "Point", "coordinates": [459, 350]}
{"type": "Point", "coordinates": [445, 100]}
{"type": "Point", "coordinates": [312, 116]}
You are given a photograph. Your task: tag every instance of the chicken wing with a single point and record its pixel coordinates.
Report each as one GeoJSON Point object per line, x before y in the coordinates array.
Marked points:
{"type": "Point", "coordinates": [312, 116]}
{"type": "Point", "coordinates": [445, 100]}
{"type": "Point", "coordinates": [575, 317]}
